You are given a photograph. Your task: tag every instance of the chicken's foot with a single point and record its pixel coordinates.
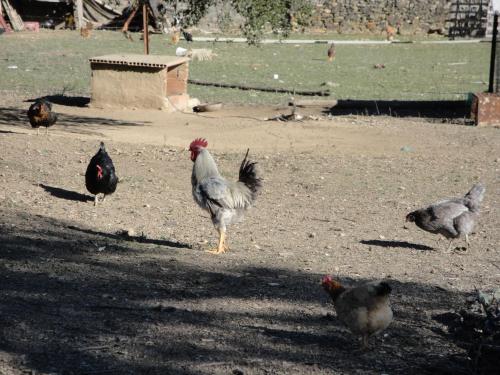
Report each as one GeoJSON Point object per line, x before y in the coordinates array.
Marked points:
{"type": "Point", "coordinates": [46, 130]}
{"type": "Point", "coordinates": [96, 199]}
{"type": "Point", "coordinates": [37, 131]}
{"type": "Point", "coordinates": [449, 246]}
{"type": "Point", "coordinates": [221, 248]}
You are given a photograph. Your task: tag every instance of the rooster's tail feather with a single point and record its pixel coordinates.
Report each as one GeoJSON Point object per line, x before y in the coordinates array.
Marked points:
{"type": "Point", "coordinates": [474, 197]}
{"type": "Point", "coordinates": [248, 176]}
{"type": "Point", "coordinates": [383, 289]}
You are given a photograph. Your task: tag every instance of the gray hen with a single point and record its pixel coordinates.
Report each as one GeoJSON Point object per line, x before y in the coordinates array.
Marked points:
{"type": "Point", "coordinates": [451, 217]}
{"type": "Point", "coordinates": [226, 201]}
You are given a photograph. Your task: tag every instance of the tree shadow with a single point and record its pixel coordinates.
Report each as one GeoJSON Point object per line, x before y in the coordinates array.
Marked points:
{"type": "Point", "coordinates": [15, 117]}
{"type": "Point", "coordinates": [140, 239]}
{"type": "Point", "coordinates": [403, 244]}
{"type": "Point", "coordinates": [66, 194]}
{"type": "Point", "coordinates": [77, 300]}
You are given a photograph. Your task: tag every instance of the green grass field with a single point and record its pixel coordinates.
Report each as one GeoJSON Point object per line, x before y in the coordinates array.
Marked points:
{"type": "Point", "coordinates": [56, 62]}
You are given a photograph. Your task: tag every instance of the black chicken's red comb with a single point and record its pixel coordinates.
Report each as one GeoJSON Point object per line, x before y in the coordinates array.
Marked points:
{"type": "Point", "coordinates": [198, 142]}
{"type": "Point", "coordinates": [326, 279]}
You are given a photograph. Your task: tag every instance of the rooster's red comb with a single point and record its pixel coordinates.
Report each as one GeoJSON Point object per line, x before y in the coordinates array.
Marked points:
{"type": "Point", "coordinates": [198, 142]}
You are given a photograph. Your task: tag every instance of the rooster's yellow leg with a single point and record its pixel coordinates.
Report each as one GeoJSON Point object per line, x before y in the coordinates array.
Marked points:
{"type": "Point", "coordinates": [467, 240]}
{"type": "Point", "coordinates": [96, 199]}
{"type": "Point", "coordinates": [37, 131]}
{"type": "Point", "coordinates": [47, 130]}
{"type": "Point", "coordinates": [221, 248]}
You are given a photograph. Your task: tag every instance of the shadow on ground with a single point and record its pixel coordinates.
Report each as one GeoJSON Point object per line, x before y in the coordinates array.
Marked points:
{"type": "Point", "coordinates": [18, 118]}
{"type": "Point", "coordinates": [402, 244]}
{"type": "Point", "coordinates": [446, 110]}
{"type": "Point", "coordinates": [70, 101]}
{"type": "Point", "coordinates": [81, 301]}
{"type": "Point", "coordinates": [66, 194]}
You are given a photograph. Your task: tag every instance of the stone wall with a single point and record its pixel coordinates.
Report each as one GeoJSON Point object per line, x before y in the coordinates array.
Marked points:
{"type": "Point", "coordinates": [363, 16]}
{"type": "Point", "coordinates": [372, 16]}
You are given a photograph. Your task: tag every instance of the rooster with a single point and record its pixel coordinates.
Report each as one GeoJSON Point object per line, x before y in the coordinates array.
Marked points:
{"type": "Point", "coordinates": [364, 309]}
{"type": "Point", "coordinates": [40, 114]}
{"type": "Point", "coordinates": [226, 201]}
{"type": "Point", "coordinates": [451, 217]}
{"type": "Point", "coordinates": [331, 53]}
{"type": "Point", "coordinates": [100, 177]}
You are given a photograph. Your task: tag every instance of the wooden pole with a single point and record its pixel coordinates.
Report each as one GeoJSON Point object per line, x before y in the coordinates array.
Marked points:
{"type": "Point", "coordinates": [79, 14]}
{"type": "Point", "coordinates": [145, 28]}
{"type": "Point", "coordinates": [493, 52]}
{"type": "Point", "coordinates": [259, 88]}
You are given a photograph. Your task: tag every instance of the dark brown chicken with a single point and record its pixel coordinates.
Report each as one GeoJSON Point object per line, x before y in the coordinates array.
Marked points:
{"type": "Point", "coordinates": [40, 114]}
{"type": "Point", "coordinates": [331, 53]}
{"type": "Point", "coordinates": [364, 309]}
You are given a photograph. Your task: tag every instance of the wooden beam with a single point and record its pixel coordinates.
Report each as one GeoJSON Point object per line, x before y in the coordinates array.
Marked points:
{"type": "Point", "coordinates": [78, 14]}
{"type": "Point", "coordinates": [145, 28]}
{"type": "Point", "coordinates": [258, 88]}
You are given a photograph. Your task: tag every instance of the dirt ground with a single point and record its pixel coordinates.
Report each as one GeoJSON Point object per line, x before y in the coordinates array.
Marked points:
{"type": "Point", "coordinates": [80, 297]}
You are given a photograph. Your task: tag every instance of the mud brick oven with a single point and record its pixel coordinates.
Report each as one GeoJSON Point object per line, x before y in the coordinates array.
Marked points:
{"type": "Point", "coordinates": [139, 81]}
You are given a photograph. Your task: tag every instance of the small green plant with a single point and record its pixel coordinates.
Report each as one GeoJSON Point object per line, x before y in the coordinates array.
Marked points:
{"type": "Point", "coordinates": [277, 15]}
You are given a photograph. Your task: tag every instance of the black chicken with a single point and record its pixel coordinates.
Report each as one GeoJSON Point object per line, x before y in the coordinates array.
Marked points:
{"type": "Point", "coordinates": [100, 177]}
{"type": "Point", "coordinates": [187, 36]}
{"type": "Point", "coordinates": [40, 114]}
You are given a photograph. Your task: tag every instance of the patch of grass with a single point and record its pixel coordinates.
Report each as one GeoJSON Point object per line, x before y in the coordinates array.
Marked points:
{"type": "Point", "coordinates": [56, 62]}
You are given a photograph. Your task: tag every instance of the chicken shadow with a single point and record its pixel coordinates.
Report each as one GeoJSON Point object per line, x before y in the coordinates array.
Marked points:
{"type": "Point", "coordinates": [66, 194]}
{"type": "Point", "coordinates": [402, 244]}
{"type": "Point", "coordinates": [140, 239]}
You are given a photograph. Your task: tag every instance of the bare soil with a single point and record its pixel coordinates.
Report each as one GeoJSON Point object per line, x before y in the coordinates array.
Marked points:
{"type": "Point", "coordinates": [81, 296]}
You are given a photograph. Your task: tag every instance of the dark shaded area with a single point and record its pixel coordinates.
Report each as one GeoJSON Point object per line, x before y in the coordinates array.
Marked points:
{"type": "Point", "coordinates": [69, 101]}
{"type": "Point", "coordinates": [80, 301]}
{"type": "Point", "coordinates": [141, 239]}
{"type": "Point", "coordinates": [446, 110]}
{"type": "Point", "coordinates": [403, 244]}
{"type": "Point", "coordinates": [66, 194]}
{"type": "Point", "coordinates": [16, 117]}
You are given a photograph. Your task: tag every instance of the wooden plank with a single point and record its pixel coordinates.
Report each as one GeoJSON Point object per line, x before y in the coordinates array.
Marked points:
{"type": "Point", "coordinates": [258, 88]}
{"type": "Point", "coordinates": [14, 18]}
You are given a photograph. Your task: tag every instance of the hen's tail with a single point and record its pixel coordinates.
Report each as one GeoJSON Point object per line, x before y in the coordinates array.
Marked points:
{"type": "Point", "coordinates": [248, 176]}
{"type": "Point", "coordinates": [474, 197]}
